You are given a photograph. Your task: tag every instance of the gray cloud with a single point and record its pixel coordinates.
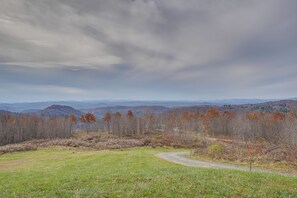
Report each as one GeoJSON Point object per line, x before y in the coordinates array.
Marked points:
{"type": "Point", "coordinates": [147, 49]}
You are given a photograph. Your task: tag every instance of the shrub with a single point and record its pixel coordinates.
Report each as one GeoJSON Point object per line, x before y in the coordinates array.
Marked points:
{"type": "Point", "coordinates": [215, 150]}
{"type": "Point", "coordinates": [17, 148]}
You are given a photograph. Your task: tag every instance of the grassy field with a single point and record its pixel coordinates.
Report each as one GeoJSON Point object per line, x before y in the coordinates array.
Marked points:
{"type": "Point", "coordinates": [62, 172]}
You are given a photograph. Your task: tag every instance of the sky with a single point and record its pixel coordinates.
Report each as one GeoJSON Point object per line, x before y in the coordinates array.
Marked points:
{"type": "Point", "coordinates": [147, 49]}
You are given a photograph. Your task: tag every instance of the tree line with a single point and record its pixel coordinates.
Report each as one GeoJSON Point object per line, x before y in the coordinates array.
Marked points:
{"type": "Point", "coordinates": [275, 128]}
{"type": "Point", "coordinates": [19, 128]}
{"type": "Point", "coordinates": [120, 124]}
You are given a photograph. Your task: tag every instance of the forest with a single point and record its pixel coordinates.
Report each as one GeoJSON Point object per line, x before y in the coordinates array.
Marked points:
{"type": "Point", "coordinates": [179, 125]}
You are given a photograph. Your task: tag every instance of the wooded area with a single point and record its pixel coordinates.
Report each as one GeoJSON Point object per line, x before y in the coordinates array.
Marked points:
{"type": "Point", "coordinates": [274, 128]}
{"type": "Point", "coordinates": [19, 128]}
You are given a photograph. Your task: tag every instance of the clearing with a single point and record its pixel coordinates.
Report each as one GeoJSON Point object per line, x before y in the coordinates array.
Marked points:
{"type": "Point", "coordinates": [136, 172]}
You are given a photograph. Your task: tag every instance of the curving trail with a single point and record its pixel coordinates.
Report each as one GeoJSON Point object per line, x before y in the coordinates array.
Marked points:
{"type": "Point", "coordinates": [180, 158]}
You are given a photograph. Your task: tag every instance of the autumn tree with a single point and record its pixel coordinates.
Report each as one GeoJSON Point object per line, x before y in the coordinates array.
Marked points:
{"type": "Point", "coordinates": [186, 119]}
{"type": "Point", "coordinates": [107, 120]}
{"type": "Point", "coordinates": [82, 119]}
{"type": "Point", "coordinates": [210, 121]}
{"type": "Point", "coordinates": [116, 126]}
{"type": "Point", "coordinates": [88, 119]}
{"type": "Point", "coordinates": [131, 124]}
{"type": "Point", "coordinates": [73, 120]}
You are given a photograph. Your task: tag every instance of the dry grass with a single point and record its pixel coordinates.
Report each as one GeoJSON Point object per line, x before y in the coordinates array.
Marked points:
{"type": "Point", "coordinates": [93, 141]}
{"type": "Point", "coordinates": [17, 147]}
{"type": "Point", "coordinates": [100, 141]}
{"type": "Point", "coordinates": [221, 149]}
{"type": "Point", "coordinates": [177, 140]}
{"type": "Point", "coordinates": [262, 155]}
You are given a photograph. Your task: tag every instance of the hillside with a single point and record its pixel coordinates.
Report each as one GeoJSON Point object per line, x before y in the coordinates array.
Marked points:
{"type": "Point", "coordinates": [56, 172]}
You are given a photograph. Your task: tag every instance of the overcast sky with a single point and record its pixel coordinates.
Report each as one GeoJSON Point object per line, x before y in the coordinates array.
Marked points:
{"type": "Point", "coordinates": [147, 49]}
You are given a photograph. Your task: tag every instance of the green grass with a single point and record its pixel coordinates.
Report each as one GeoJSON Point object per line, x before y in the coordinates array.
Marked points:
{"type": "Point", "coordinates": [58, 172]}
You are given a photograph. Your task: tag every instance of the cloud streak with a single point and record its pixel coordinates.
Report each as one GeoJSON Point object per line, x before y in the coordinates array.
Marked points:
{"type": "Point", "coordinates": [148, 49]}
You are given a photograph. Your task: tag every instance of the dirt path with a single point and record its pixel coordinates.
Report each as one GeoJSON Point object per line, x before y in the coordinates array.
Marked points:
{"type": "Point", "coordinates": [180, 158]}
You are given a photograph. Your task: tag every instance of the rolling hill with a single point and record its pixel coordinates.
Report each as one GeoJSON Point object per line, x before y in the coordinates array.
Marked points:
{"type": "Point", "coordinates": [58, 111]}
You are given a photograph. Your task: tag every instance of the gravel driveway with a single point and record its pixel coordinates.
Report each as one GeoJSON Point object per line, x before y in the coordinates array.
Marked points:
{"type": "Point", "coordinates": [180, 158]}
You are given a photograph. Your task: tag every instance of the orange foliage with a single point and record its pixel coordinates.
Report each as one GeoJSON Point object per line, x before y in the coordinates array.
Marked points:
{"type": "Point", "coordinates": [208, 117]}
{"type": "Point", "coordinates": [211, 113]}
{"type": "Point", "coordinates": [107, 117]}
{"type": "Point", "coordinates": [90, 118]}
{"type": "Point", "coordinates": [82, 118]}
{"type": "Point", "coordinates": [252, 116]}
{"type": "Point", "coordinates": [72, 118]}
{"type": "Point", "coordinates": [187, 116]}
{"type": "Point", "coordinates": [277, 116]}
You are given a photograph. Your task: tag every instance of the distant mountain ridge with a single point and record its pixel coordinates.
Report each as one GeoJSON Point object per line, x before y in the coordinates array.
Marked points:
{"type": "Point", "coordinates": [282, 106]}
{"type": "Point", "coordinates": [137, 110]}
{"type": "Point", "coordinates": [241, 101]}
{"type": "Point", "coordinates": [57, 110]}
{"type": "Point", "coordinates": [28, 107]}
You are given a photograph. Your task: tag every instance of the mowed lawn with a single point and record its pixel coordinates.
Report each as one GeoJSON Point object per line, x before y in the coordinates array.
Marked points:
{"type": "Point", "coordinates": [63, 172]}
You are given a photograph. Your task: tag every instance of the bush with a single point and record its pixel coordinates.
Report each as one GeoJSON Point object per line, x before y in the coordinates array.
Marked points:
{"type": "Point", "coordinates": [215, 150]}
{"type": "Point", "coordinates": [17, 148]}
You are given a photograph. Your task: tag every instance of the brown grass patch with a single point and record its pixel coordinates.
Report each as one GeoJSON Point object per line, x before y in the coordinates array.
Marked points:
{"type": "Point", "coordinates": [262, 155]}
{"type": "Point", "coordinates": [94, 141]}
{"type": "Point", "coordinates": [17, 147]}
